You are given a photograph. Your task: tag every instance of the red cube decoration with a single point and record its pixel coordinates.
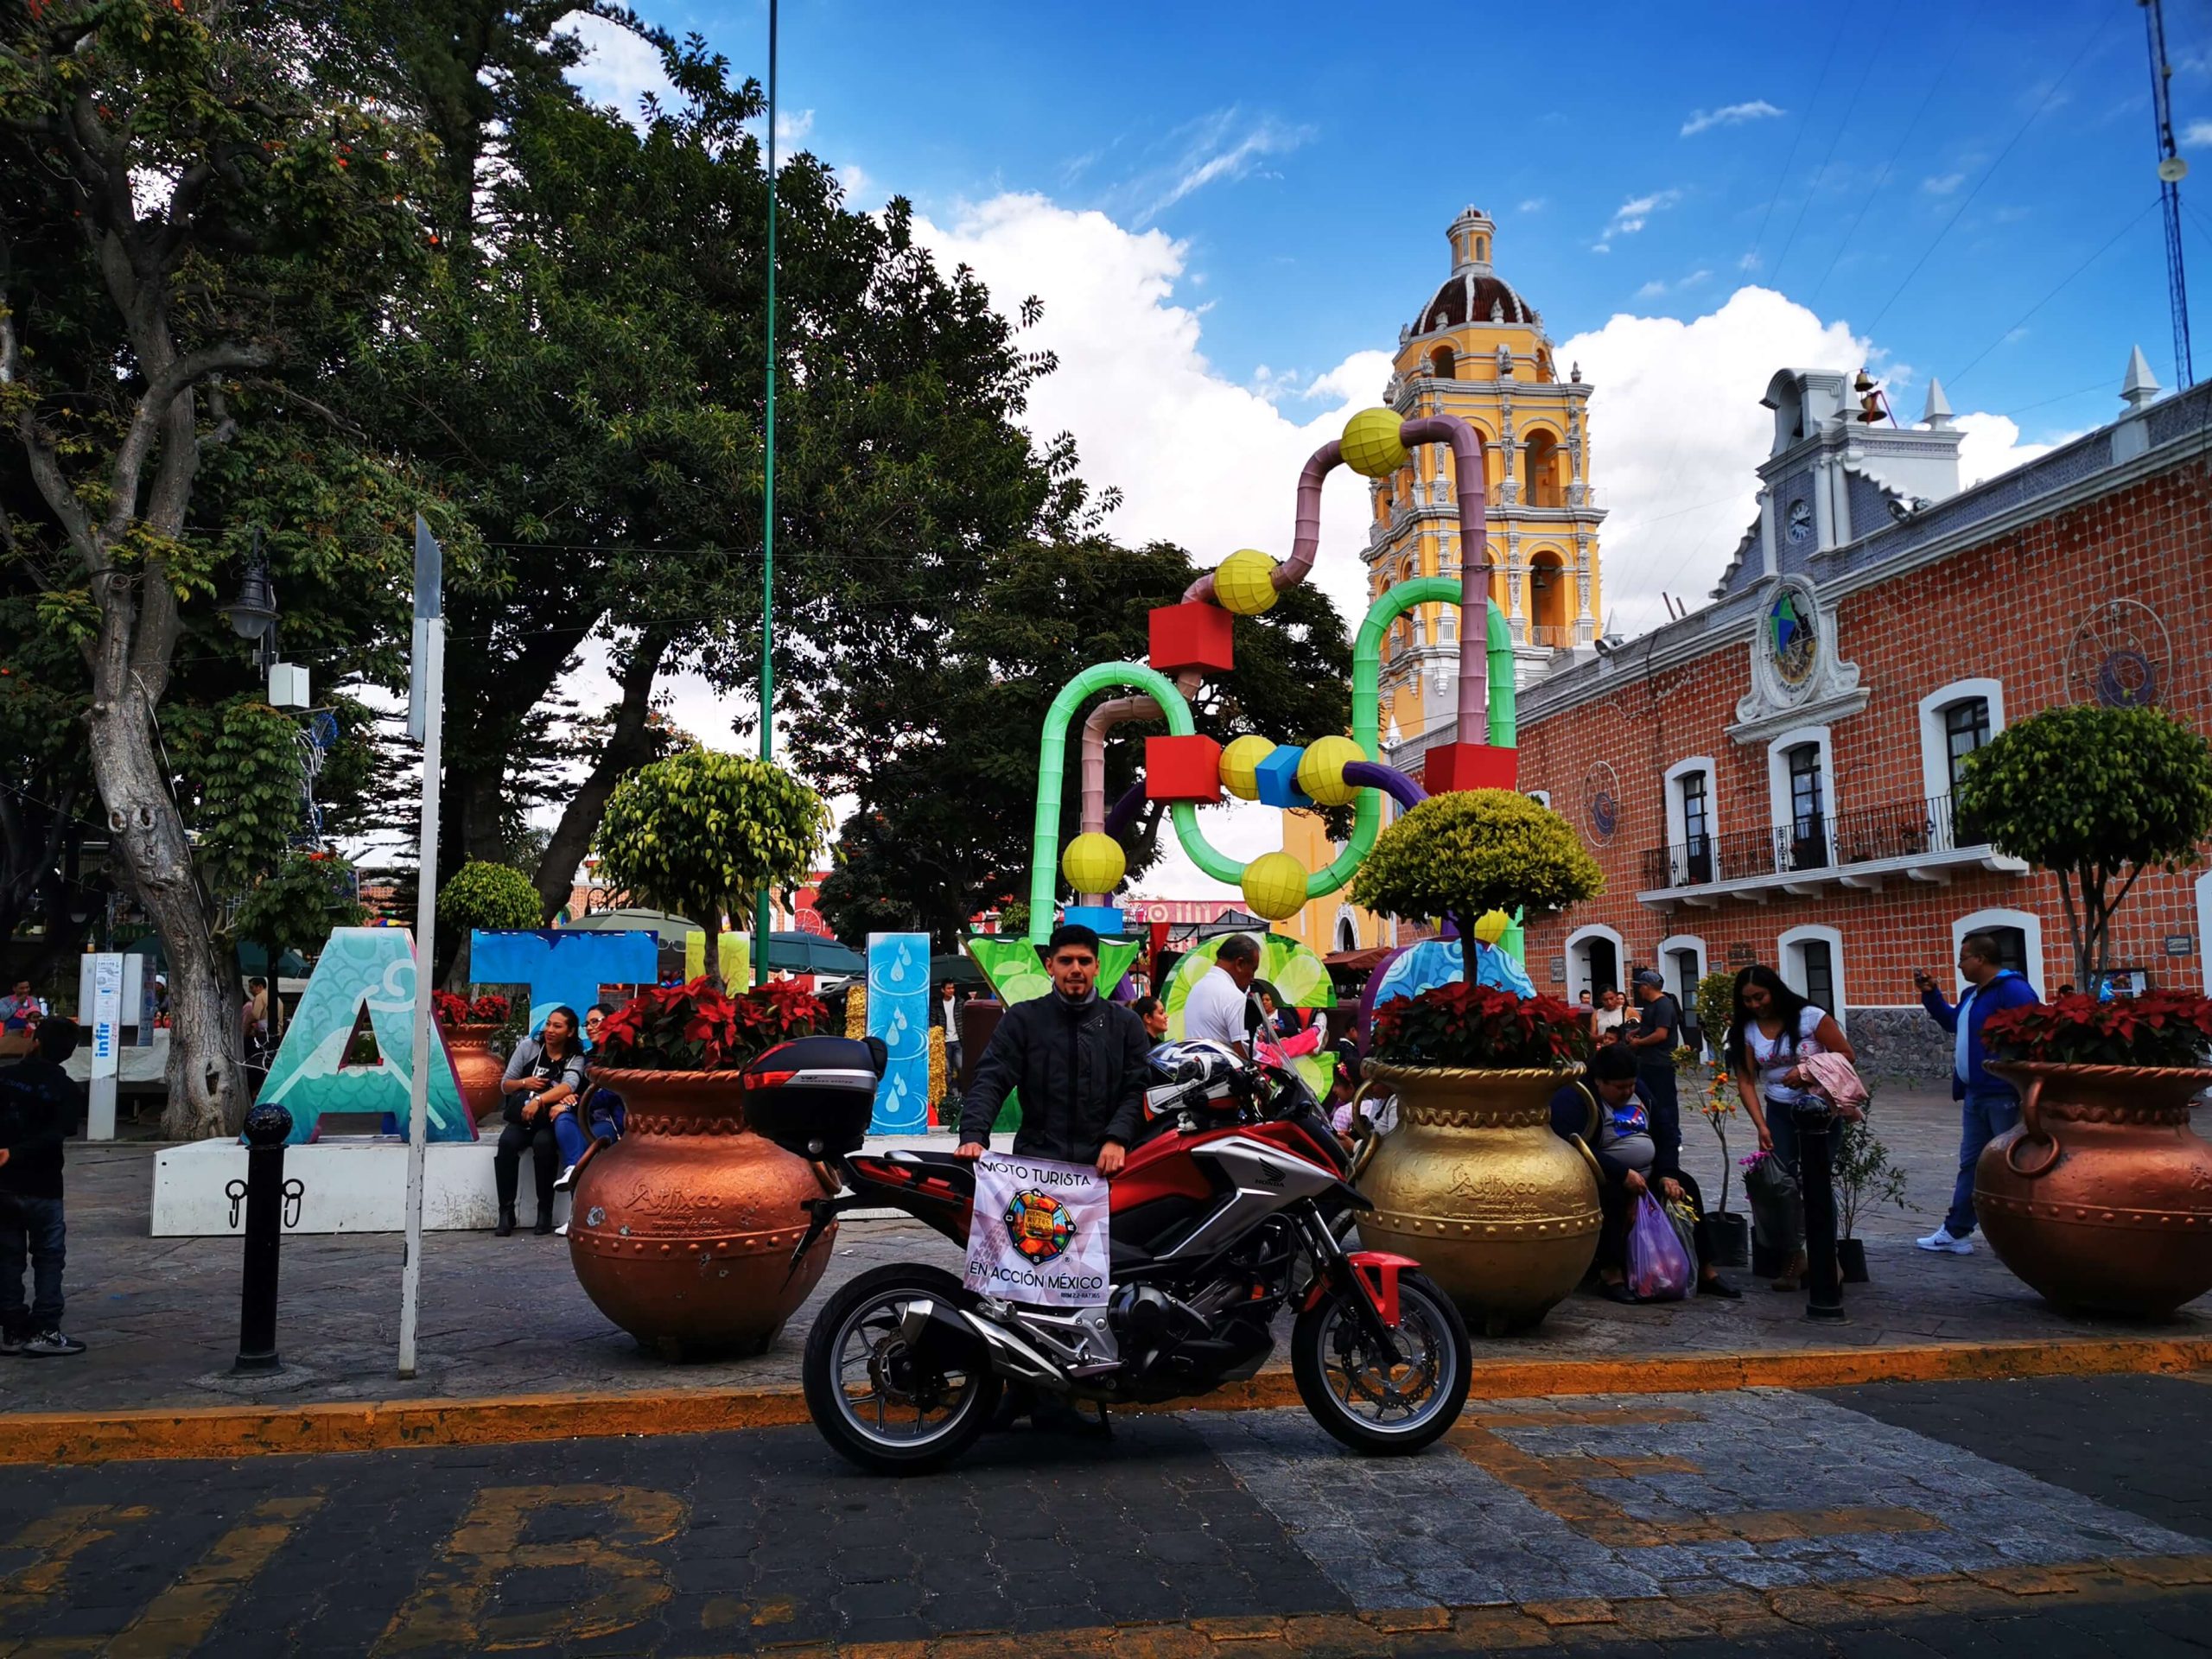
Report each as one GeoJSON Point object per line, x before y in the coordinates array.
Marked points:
{"type": "Point", "coordinates": [1182, 768]}
{"type": "Point", "coordinates": [1469, 765]}
{"type": "Point", "coordinates": [1197, 635]}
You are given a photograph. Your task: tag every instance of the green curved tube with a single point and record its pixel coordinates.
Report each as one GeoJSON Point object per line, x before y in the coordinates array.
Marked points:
{"type": "Point", "coordinates": [1366, 730]}
{"type": "Point", "coordinates": [1052, 764]}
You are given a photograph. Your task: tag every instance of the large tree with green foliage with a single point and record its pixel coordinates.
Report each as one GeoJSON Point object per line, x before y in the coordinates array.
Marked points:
{"type": "Point", "coordinates": [937, 741]}
{"type": "Point", "coordinates": [194, 201]}
{"type": "Point", "coordinates": [2096, 796]}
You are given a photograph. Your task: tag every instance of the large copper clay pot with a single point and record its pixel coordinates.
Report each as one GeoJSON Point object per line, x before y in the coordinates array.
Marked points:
{"type": "Point", "coordinates": [1473, 1184]}
{"type": "Point", "coordinates": [681, 1231]}
{"type": "Point", "coordinates": [2101, 1197]}
{"type": "Point", "coordinates": [475, 1068]}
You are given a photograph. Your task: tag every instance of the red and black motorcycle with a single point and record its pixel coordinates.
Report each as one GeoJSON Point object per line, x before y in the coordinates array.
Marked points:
{"type": "Point", "coordinates": [1230, 1211]}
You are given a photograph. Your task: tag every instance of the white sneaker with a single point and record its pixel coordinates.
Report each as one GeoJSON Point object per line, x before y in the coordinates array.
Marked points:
{"type": "Point", "coordinates": [1942, 1243]}
{"type": "Point", "coordinates": [566, 1179]}
{"type": "Point", "coordinates": [561, 1231]}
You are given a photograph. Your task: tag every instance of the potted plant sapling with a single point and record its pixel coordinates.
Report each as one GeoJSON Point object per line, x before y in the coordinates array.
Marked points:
{"type": "Point", "coordinates": [1730, 1231]}
{"type": "Point", "coordinates": [2102, 1198]}
{"type": "Point", "coordinates": [1502, 1212]}
{"type": "Point", "coordinates": [681, 1231]}
{"type": "Point", "coordinates": [1865, 1176]}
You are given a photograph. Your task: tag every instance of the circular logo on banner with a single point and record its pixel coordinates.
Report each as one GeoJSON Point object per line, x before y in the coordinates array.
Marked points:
{"type": "Point", "coordinates": [1601, 801]}
{"type": "Point", "coordinates": [1038, 1225]}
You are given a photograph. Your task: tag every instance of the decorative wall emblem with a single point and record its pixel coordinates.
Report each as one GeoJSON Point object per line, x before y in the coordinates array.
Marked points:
{"type": "Point", "coordinates": [1601, 801]}
{"type": "Point", "coordinates": [2120, 657]}
{"type": "Point", "coordinates": [1797, 678]}
{"type": "Point", "coordinates": [1793, 636]}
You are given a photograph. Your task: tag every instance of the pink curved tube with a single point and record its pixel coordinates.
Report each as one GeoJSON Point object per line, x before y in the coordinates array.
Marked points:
{"type": "Point", "coordinates": [1474, 559]}
{"type": "Point", "coordinates": [1305, 530]}
{"type": "Point", "coordinates": [1114, 712]}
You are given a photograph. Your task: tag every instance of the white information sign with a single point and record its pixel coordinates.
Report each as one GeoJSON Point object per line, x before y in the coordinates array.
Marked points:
{"type": "Point", "coordinates": [107, 1010]}
{"type": "Point", "coordinates": [1040, 1233]}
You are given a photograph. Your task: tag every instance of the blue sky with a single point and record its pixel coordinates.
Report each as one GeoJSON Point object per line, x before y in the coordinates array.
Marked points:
{"type": "Point", "coordinates": [1230, 210]}
{"type": "Point", "coordinates": [1309, 159]}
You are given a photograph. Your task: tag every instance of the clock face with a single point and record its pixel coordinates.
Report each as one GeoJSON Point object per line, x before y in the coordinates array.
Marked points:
{"type": "Point", "coordinates": [1801, 521]}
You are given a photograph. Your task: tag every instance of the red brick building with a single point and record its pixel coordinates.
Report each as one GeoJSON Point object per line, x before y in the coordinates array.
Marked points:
{"type": "Point", "coordinates": [1769, 778]}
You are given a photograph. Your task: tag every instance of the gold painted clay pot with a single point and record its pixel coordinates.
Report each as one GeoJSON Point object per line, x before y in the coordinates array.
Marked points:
{"type": "Point", "coordinates": [1473, 1184]}
{"type": "Point", "coordinates": [681, 1231]}
{"type": "Point", "coordinates": [475, 1069]}
{"type": "Point", "coordinates": [2102, 1198]}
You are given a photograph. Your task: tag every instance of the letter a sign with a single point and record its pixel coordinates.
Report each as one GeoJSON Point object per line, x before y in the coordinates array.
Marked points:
{"type": "Point", "coordinates": [1040, 1233]}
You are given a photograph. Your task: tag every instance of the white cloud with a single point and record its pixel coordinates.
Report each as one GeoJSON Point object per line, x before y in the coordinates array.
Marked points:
{"type": "Point", "coordinates": [1202, 460]}
{"type": "Point", "coordinates": [618, 67]}
{"type": "Point", "coordinates": [791, 128]}
{"type": "Point", "coordinates": [1992, 446]}
{"type": "Point", "coordinates": [1220, 148]}
{"type": "Point", "coordinates": [1634, 214]}
{"type": "Point", "coordinates": [1730, 115]}
{"type": "Point", "coordinates": [1677, 428]}
{"type": "Point", "coordinates": [1657, 287]}
{"type": "Point", "coordinates": [1534, 204]}
{"type": "Point", "coordinates": [2197, 135]}
{"type": "Point", "coordinates": [1651, 290]}
{"type": "Point", "coordinates": [1943, 184]}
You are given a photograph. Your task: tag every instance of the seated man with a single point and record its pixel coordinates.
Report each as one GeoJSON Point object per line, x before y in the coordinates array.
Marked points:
{"type": "Point", "coordinates": [1608, 1112]}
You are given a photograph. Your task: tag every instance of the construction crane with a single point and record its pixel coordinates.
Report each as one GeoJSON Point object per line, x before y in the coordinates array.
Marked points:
{"type": "Point", "coordinates": [2172, 169]}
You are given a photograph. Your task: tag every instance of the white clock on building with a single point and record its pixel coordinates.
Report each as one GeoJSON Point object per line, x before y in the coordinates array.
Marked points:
{"type": "Point", "coordinates": [1801, 521]}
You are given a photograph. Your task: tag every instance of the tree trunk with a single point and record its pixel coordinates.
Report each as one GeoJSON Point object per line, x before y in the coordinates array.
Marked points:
{"type": "Point", "coordinates": [711, 925]}
{"type": "Point", "coordinates": [206, 1087]}
{"type": "Point", "coordinates": [625, 750]}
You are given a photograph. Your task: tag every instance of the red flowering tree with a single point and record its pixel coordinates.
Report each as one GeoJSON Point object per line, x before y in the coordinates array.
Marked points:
{"type": "Point", "coordinates": [700, 1027]}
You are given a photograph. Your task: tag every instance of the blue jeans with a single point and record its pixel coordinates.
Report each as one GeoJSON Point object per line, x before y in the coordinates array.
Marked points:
{"type": "Point", "coordinates": [573, 1138]}
{"type": "Point", "coordinates": [1782, 1121]}
{"type": "Point", "coordinates": [30, 1231]}
{"type": "Point", "coordinates": [1985, 1114]}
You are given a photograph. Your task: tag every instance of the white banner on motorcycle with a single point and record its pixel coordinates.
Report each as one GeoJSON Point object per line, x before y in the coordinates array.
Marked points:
{"type": "Point", "coordinates": [1040, 1233]}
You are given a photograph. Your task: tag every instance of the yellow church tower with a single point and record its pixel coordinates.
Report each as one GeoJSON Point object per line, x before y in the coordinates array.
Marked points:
{"type": "Point", "coordinates": [1477, 350]}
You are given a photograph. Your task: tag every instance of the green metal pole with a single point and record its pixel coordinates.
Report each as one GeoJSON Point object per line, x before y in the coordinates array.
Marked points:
{"type": "Point", "coordinates": [761, 916]}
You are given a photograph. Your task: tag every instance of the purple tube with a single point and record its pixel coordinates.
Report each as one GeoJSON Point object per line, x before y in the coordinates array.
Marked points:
{"type": "Point", "coordinates": [1474, 562]}
{"type": "Point", "coordinates": [1125, 811]}
{"type": "Point", "coordinates": [1374, 774]}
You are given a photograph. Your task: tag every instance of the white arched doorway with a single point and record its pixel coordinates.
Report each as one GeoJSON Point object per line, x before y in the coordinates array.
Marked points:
{"type": "Point", "coordinates": [1595, 962]}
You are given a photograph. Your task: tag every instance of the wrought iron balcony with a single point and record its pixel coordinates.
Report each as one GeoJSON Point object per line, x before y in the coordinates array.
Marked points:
{"type": "Point", "coordinates": [1916, 839]}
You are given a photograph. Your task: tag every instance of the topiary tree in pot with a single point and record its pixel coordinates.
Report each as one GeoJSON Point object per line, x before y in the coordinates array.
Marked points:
{"type": "Point", "coordinates": [702, 834]}
{"type": "Point", "coordinates": [1500, 1211]}
{"type": "Point", "coordinates": [2096, 796]}
{"type": "Point", "coordinates": [482, 895]}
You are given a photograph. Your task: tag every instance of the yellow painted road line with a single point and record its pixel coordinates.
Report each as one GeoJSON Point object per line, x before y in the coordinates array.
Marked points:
{"type": "Point", "coordinates": [178, 1620]}
{"type": "Point", "coordinates": [294, 1430]}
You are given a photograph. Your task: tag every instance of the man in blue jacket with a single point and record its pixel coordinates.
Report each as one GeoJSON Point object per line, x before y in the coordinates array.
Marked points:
{"type": "Point", "coordinates": [1989, 1105]}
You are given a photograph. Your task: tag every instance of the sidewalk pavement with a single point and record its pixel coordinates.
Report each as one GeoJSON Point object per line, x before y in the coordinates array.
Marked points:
{"type": "Point", "coordinates": [505, 1318]}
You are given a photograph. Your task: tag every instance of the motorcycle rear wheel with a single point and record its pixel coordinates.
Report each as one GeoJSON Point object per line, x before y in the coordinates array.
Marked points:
{"type": "Point", "coordinates": [878, 1404]}
{"type": "Point", "coordinates": [1385, 1411]}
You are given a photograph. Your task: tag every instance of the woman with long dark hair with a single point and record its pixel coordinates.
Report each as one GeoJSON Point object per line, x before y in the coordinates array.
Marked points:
{"type": "Point", "coordinates": [544, 1073]}
{"type": "Point", "coordinates": [1770, 1030]}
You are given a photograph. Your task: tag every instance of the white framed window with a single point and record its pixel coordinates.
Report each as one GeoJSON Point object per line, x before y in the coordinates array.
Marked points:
{"type": "Point", "coordinates": [1595, 962]}
{"type": "Point", "coordinates": [1955, 720]}
{"type": "Point", "coordinates": [2204, 926]}
{"type": "Point", "coordinates": [1810, 961]}
{"type": "Point", "coordinates": [2018, 934]}
{"type": "Point", "coordinates": [1692, 798]}
{"type": "Point", "coordinates": [1801, 795]}
{"type": "Point", "coordinates": [1540, 796]}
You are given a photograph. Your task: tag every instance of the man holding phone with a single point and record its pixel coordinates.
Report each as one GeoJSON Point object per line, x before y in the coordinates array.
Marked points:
{"type": "Point", "coordinates": [1988, 1105]}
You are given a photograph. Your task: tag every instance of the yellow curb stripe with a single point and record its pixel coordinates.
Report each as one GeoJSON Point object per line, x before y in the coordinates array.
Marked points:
{"type": "Point", "coordinates": [259, 1430]}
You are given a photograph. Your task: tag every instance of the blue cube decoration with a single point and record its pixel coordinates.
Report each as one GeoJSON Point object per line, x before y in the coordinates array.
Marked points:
{"type": "Point", "coordinates": [1104, 920]}
{"type": "Point", "coordinates": [1278, 777]}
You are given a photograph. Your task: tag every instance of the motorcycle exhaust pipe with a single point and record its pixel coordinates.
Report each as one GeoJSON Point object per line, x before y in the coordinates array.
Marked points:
{"type": "Point", "coordinates": [927, 1323]}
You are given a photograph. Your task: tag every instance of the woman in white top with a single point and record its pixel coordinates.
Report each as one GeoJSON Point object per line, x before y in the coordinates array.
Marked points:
{"type": "Point", "coordinates": [1772, 1030]}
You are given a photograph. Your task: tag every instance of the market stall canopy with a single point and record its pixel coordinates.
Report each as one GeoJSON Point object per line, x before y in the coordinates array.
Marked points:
{"type": "Point", "coordinates": [961, 970]}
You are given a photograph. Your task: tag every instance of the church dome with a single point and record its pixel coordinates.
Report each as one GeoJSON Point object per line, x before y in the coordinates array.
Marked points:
{"type": "Point", "coordinates": [1474, 293]}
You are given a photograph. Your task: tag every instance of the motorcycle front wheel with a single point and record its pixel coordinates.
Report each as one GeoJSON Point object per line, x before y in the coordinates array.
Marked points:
{"type": "Point", "coordinates": [1372, 1406]}
{"type": "Point", "coordinates": [879, 1402]}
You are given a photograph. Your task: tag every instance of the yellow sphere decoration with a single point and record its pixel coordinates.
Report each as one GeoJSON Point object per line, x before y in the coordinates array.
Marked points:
{"type": "Point", "coordinates": [1244, 584]}
{"type": "Point", "coordinates": [1370, 442]}
{"type": "Point", "coordinates": [1491, 925]}
{"type": "Point", "coordinates": [1240, 765]}
{"type": "Point", "coordinates": [1275, 886]}
{"type": "Point", "coordinates": [1321, 771]}
{"type": "Point", "coordinates": [1094, 863]}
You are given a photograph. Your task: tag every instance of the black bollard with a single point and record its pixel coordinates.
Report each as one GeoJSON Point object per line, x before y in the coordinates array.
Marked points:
{"type": "Point", "coordinates": [1816, 1171]}
{"type": "Point", "coordinates": [267, 1127]}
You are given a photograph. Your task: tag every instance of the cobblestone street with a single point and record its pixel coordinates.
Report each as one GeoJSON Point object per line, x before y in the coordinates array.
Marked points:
{"type": "Point", "coordinates": [2073, 1515]}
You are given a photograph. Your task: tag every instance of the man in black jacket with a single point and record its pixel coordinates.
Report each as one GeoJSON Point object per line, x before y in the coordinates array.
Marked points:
{"type": "Point", "coordinates": [39, 1106]}
{"type": "Point", "coordinates": [1077, 1059]}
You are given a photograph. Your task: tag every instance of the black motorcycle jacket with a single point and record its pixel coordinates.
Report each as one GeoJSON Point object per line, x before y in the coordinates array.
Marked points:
{"type": "Point", "coordinates": [1080, 1070]}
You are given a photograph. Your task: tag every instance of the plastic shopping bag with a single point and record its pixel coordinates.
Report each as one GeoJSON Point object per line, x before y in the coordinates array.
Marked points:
{"type": "Point", "coordinates": [1659, 1269]}
{"type": "Point", "coordinates": [1683, 1219]}
{"type": "Point", "coordinates": [1777, 1213]}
